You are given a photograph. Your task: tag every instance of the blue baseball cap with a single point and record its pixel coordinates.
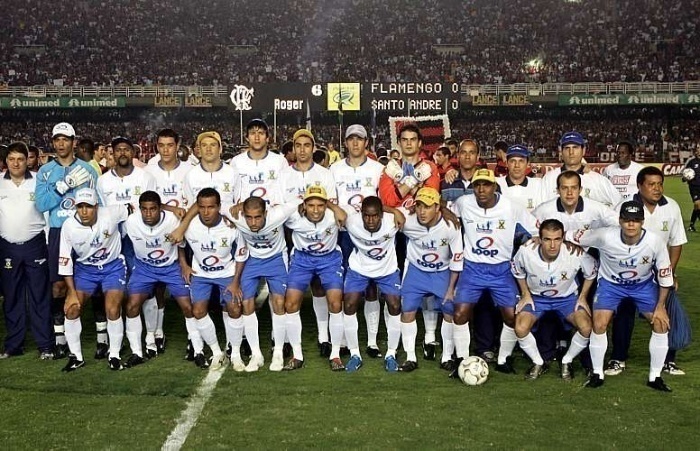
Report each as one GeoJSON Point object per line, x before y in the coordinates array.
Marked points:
{"type": "Point", "coordinates": [572, 138]}
{"type": "Point", "coordinates": [517, 150]}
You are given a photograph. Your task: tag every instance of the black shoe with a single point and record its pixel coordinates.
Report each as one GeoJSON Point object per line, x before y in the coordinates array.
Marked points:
{"type": "Point", "coordinates": [691, 228]}
{"type": "Point", "coordinates": [151, 353]}
{"type": "Point", "coordinates": [488, 356]}
{"type": "Point", "coordinates": [454, 374]}
{"type": "Point", "coordinates": [594, 381]}
{"type": "Point", "coordinates": [373, 352]}
{"type": "Point", "coordinates": [566, 371]}
{"type": "Point", "coordinates": [201, 361]}
{"type": "Point", "coordinates": [245, 348]}
{"type": "Point", "coordinates": [536, 371]}
{"type": "Point", "coordinates": [189, 352]}
{"type": "Point", "coordinates": [60, 351]}
{"type": "Point", "coordinates": [115, 364]}
{"type": "Point", "coordinates": [659, 384]}
{"type": "Point", "coordinates": [324, 349]}
{"type": "Point", "coordinates": [229, 351]}
{"type": "Point", "coordinates": [408, 366]}
{"type": "Point", "coordinates": [345, 352]}
{"type": "Point", "coordinates": [134, 359]}
{"type": "Point", "coordinates": [293, 364]}
{"type": "Point", "coordinates": [429, 350]}
{"type": "Point", "coordinates": [447, 365]}
{"type": "Point", "coordinates": [507, 367]}
{"type": "Point", "coordinates": [101, 351]}
{"type": "Point", "coordinates": [287, 350]}
{"type": "Point", "coordinates": [73, 364]}
{"type": "Point", "coordinates": [160, 345]}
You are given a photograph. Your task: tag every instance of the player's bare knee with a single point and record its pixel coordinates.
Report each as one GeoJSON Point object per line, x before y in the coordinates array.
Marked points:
{"type": "Point", "coordinates": [522, 327]}
{"type": "Point", "coordinates": [73, 311]}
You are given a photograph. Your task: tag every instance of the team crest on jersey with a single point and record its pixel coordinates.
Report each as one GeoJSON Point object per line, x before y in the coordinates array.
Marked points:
{"type": "Point", "coordinates": [224, 242]}
{"type": "Point", "coordinates": [564, 276]}
{"type": "Point", "coordinates": [227, 187]}
{"type": "Point", "coordinates": [484, 228]}
{"type": "Point", "coordinates": [170, 190]}
{"type": "Point", "coordinates": [125, 196]}
{"type": "Point", "coordinates": [32, 197]}
{"type": "Point", "coordinates": [272, 175]}
{"type": "Point", "coordinates": [208, 247]}
{"type": "Point", "coordinates": [354, 186]}
{"type": "Point", "coordinates": [501, 224]}
{"type": "Point", "coordinates": [427, 245]}
{"type": "Point", "coordinates": [586, 226]}
{"type": "Point", "coordinates": [530, 204]}
{"type": "Point", "coordinates": [106, 234]}
{"type": "Point", "coordinates": [387, 237]}
{"type": "Point", "coordinates": [444, 242]}
{"type": "Point", "coordinates": [8, 263]}
{"type": "Point", "coordinates": [368, 182]}
{"type": "Point", "coordinates": [587, 192]}
{"type": "Point", "coordinates": [629, 263]}
{"type": "Point", "coordinates": [664, 226]}
{"type": "Point", "coordinates": [153, 243]}
{"type": "Point", "coordinates": [137, 191]}
{"type": "Point", "coordinates": [548, 283]}
{"type": "Point", "coordinates": [96, 242]}
{"type": "Point", "coordinates": [256, 179]}
{"type": "Point", "coordinates": [328, 231]}
{"type": "Point", "coordinates": [645, 260]}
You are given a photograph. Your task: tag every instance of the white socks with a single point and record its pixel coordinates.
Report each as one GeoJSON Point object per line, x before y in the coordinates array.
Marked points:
{"type": "Point", "coordinates": [393, 334]}
{"type": "Point", "coordinates": [73, 329]}
{"type": "Point", "coordinates": [115, 330]}
{"type": "Point", "coordinates": [372, 312]}
{"type": "Point", "coordinates": [294, 334]}
{"type": "Point", "coordinates": [337, 331]}
{"type": "Point", "coordinates": [321, 310]}
{"type": "Point", "coordinates": [529, 346]}
{"type": "Point", "coordinates": [350, 325]}
{"type": "Point", "coordinates": [208, 332]}
{"type": "Point", "coordinates": [409, 331]}
{"type": "Point", "coordinates": [134, 330]}
{"type": "Point", "coordinates": [598, 345]}
{"type": "Point", "coordinates": [448, 343]}
{"type": "Point", "coordinates": [234, 328]}
{"type": "Point", "coordinates": [462, 339]}
{"type": "Point", "coordinates": [508, 341]}
{"type": "Point", "coordinates": [430, 319]}
{"type": "Point", "coordinates": [658, 347]}
{"type": "Point", "coordinates": [159, 322]}
{"type": "Point", "coordinates": [578, 344]}
{"type": "Point", "coordinates": [250, 324]}
{"type": "Point", "coordinates": [279, 331]}
{"type": "Point", "coordinates": [192, 335]}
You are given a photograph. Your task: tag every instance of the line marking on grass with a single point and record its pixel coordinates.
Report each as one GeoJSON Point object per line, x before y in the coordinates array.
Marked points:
{"type": "Point", "coordinates": [189, 416]}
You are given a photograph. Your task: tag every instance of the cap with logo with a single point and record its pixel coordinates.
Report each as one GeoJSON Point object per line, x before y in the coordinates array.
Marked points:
{"type": "Point", "coordinates": [517, 150]}
{"type": "Point", "coordinates": [86, 196]}
{"type": "Point", "coordinates": [210, 134]}
{"type": "Point", "coordinates": [315, 191]}
{"type": "Point", "coordinates": [63, 129]}
{"type": "Point", "coordinates": [484, 174]}
{"type": "Point", "coordinates": [632, 211]}
{"type": "Point", "coordinates": [356, 130]}
{"type": "Point", "coordinates": [121, 140]}
{"type": "Point", "coordinates": [572, 138]}
{"type": "Point", "coordinates": [428, 196]}
{"type": "Point", "coordinates": [303, 132]}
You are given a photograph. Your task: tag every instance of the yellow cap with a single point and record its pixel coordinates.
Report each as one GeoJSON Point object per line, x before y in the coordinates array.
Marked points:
{"type": "Point", "coordinates": [315, 191]}
{"type": "Point", "coordinates": [211, 134]}
{"type": "Point", "coordinates": [303, 132]}
{"type": "Point", "coordinates": [485, 175]}
{"type": "Point", "coordinates": [429, 196]}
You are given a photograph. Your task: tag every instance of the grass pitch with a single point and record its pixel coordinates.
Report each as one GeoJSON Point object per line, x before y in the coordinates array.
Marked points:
{"type": "Point", "coordinates": [94, 408]}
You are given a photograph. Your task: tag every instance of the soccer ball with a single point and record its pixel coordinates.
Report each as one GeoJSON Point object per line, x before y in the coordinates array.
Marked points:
{"type": "Point", "coordinates": [473, 370]}
{"type": "Point", "coordinates": [688, 174]}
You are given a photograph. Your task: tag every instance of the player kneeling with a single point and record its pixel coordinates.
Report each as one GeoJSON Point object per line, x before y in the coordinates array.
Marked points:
{"type": "Point", "coordinates": [547, 280]}
{"type": "Point", "coordinates": [156, 260]}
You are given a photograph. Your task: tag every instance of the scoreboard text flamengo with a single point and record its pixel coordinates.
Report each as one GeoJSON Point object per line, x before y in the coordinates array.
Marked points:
{"type": "Point", "coordinates": [413, 96]}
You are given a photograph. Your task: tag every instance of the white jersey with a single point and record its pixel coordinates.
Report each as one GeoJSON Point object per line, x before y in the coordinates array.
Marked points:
{"type": "Point", "coordinates": [95, 245]}
{"type": "Point", "coordinates": [556, 279]}
{"type": "Point", "coordinates": [375, 252]}
{"type": "Point", "coordinates": [433, 249]}
{"type": "Point", "coordinates": [20, 221]}
{"type": "Point", "coordinates": [115, 190]}
{"type": "Point", "coordinates": [150, 243]}
{"type": "Point", "coordinates": [527, 195]}
{"type": "Point", "coordinates": [588, 214]}
{"type": "Point", "coordinates": [624, 180]}
{"type": "Point", "coordinates": [268, 241]}
{"type": "Point", "coordinates": [593, 186]}
{"type": "Point", "coordinates": [213, 249]}
{"type": "Point", "coordinates": [260, 178]}
{"type": "Point", "coordinates": [625, 264]}
{"type": "Point", "coordinates": [170, 184]}
{"type": "Point", "coordinates": [222, 180]}
{"type": "Point", "coordinates": [314, 238]}
{"type": "Point", "coordinates": [489, 234]}
{"type": "Point", "coordinates": [666, 220]}
{"type": "Point", "coordinates": [295, 182]}
{"type": "Point", "coordinates": [353, 184]}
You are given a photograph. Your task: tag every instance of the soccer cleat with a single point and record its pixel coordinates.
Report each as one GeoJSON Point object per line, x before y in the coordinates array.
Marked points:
{"type": "Point", "coordinates": [447, 365]}
{"type": "Point", "coordinates": [255, 363]}
{"type": "Point", "coordinates": [567, 371]}
{"type": "Point", "coordinates": [287, 350]}
{"type": "Point", "coordinates": [408, 366]}
{"type": "Point", "coordinates": [373, 352]}
{"type": "Point", "coordinates": [691, 228]}
{"type": "Point", "coordinates": [60, 351]}
{"type": "Point", "coordinates": [293, 364]}
{"type": "Point", "coordinates": [594, 381]}
{"type": "Point", "coordinates": [245, 348]}
{"type": "Point", "coordinates": [218, 362]}
{"type": "Point", "coordinates": [73, 364]}
{"type": "Point", "coordinates": [277, 363]}
{"type": "Point", "coordinates": [659, 384]}
{"type": "Point", "coordinates": [672, 369]}
{"type": "Point", "coordinates": [201, 361]}
{"type": "Point", "coordinates": [101, 351]}
{"type": "Point", "coordinates": [488, 356]}
{"type": "Point", "coordinates": [189, 352]}
{"type": "Point", "coordinates": [160, 344]}
{"type": "Point", "coordinates": [237, 364]}
{"type": "Point", "coordinates": [614, 367]}
{"type": "Point", "coordinates": [151, 353]}
{"type": "Point", "coordinates": [324, 349]}
{"type": "Point", "coordinates": [454, 374]}
{"type": "Point", "coordinates": [536, 371]}
{"type": "Point", "coordinates": [6, 355]}
{"type": "Point", "coordinates": [133, 360]}
{"type": "Point", "coordinates": [354, 364]}
{"type": "Point", "coordinates": [507, 367]}
{"type": "Point", "coordinates": [115, 364]}
{"type": "Point", "coordinates": [344, 351]}
{"type": "Point", "coordinates": [429, 350]}
{"type": "Point", "coordinates": [337, 364]}
{"type": "Point", "coordinates": [46, 355]}
{"type": "Point", "coordinates": [390, 364]}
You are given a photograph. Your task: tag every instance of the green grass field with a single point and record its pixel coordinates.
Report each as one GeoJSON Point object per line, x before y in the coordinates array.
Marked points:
{"type": "Point", "coordinates": [94, 408]}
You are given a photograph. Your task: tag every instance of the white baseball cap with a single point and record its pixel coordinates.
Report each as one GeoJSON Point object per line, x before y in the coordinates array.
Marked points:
{"type": "Point", "coordinates": [63, 129]}
{"type": "Point", "coordinates": [86, 196]}
{"type": "Point", "coordinates": [356, 130]}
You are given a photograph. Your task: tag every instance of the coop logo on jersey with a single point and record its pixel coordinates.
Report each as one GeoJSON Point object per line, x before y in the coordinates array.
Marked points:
{"type": "Point", "coordinates": [626, 277]}
{"type": "Point", "coordinates": [376, 254]}
{"type": "Point", "coordinates": [431, 260]}
{"type": "Point", "coordinates": [99, 255]}
{"type": "Point", "coordinates": [483, 247]}
{"type": "Point", "coordinates": [484, 227]}
{"type": "Point", "coordinates": [241, 96]}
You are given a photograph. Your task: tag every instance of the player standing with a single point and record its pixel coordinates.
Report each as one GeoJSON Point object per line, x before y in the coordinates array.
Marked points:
{"type": "Point", "coordinates": [623, 173]}
{"type": "Point", "coordinates": [694, 186]}
{"type": "Point", "coordinates": [516, 185]}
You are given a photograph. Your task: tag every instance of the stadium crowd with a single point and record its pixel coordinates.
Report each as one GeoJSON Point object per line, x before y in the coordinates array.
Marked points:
{"type": "Point", "coordinates": [475, 41]}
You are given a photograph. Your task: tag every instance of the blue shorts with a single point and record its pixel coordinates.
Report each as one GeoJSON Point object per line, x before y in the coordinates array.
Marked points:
{"type": "Point", "coordinates": [417, 284]}
{"type": "Point", "coordinates": [128, 253]}
{"type": "Point", "coordinates": [303, 266]}
{"type": "Point", "coordinates": [274, 269]}
{"type": "Point", "coordinates": [144, 277]}
{"type": "Point", "coordinates": [479, 278]}
{"type": "Point", "coordinates": [609, 295]}
{"type": "Point", "coordinates": [357, 283]}
{"type": "Point", "coordinates": [201, 289]}
{"type": "Point", "coordinates": [89, 278]}
{"type": "Point", "coordinates": [563, 306]}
